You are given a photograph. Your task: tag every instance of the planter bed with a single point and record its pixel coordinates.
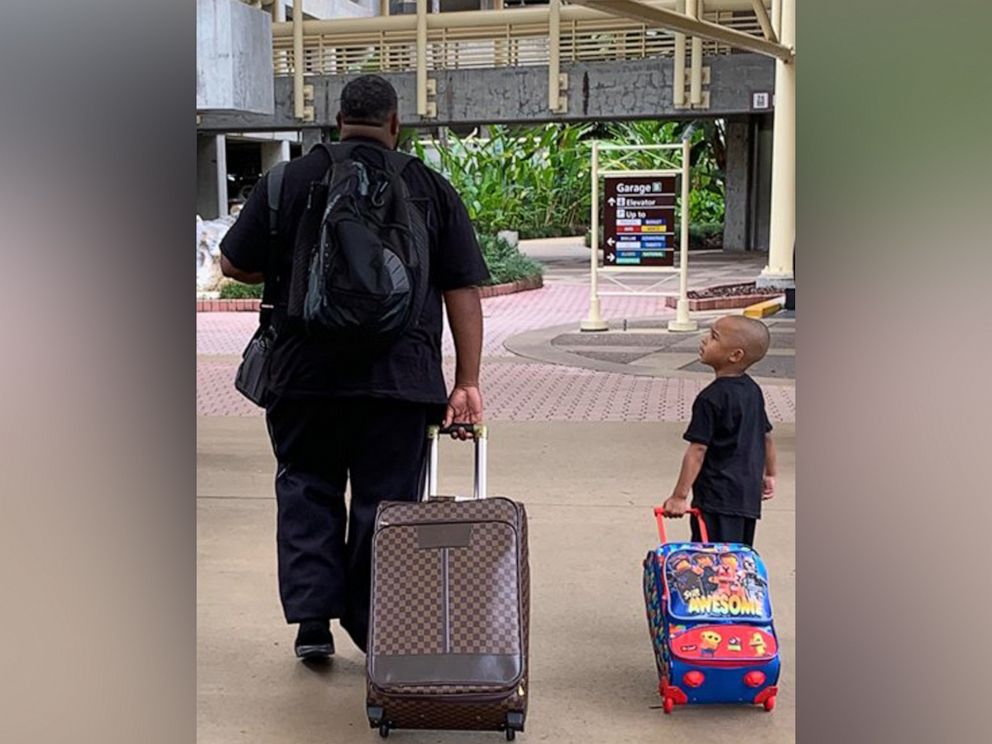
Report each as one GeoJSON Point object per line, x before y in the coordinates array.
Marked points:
{"type": "Point", "coordinates": [725, 297]}
{"type": "Point", "coordinates": [251, 306]}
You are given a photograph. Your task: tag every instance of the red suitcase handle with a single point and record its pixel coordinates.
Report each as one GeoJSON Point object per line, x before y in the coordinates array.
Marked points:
{"type": "Point", "coordinates": [659, 514]}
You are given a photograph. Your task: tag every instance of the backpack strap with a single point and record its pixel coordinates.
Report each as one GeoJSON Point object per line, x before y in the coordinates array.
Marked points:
{"type": "Point", "coordinates": [273, 187]}
{"type": "Point", "coordinates": [274, 190]}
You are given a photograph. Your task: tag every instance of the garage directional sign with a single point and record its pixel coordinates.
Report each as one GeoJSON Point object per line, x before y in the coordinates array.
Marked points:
{"type": "Point", "coordinates": [639, 221]}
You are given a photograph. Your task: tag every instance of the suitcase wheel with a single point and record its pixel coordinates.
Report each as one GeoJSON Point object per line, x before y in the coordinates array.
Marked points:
{"type": "Point", "coordinates": [514, 723]}
{"type": "Point", "coordinates": [770, 704]}
{"type": "Point", "coordinates": [384, 730]}
{"type": "Point", "coordinates": [668, 705]}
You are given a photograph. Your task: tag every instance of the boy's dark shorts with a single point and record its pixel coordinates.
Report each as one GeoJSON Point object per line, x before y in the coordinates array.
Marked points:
{"type": "Point", "coordinates": [725, 528]}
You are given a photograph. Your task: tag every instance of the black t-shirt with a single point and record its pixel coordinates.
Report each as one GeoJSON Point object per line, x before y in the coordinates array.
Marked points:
{"type": "Point", "coordinates": [728, 416]}
{"type": "Point", "coordinates": [306, 366]}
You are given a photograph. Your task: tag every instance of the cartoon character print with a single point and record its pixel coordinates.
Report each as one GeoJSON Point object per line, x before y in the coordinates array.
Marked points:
{"type": "Point", "coordinates": [709, 642]}
{"type": "Point", "coordinates": [687, 581]}
{"type": "Point", "coordinates": [728, 577]}
{"type": "Point", "coordinates": [754, 585]}
{"type": "Point", "coordinates": [654, 610]}
{"type": "Point", "coordinates": [757, 644]}
{"type": "Point", "coordinates": [703, 565]}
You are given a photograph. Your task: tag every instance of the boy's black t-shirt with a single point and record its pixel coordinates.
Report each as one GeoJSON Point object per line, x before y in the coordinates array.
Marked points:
{"type": "Point", "coordinates": [305, 366]}
{"type": "Point", "coordinates": [728, 416]}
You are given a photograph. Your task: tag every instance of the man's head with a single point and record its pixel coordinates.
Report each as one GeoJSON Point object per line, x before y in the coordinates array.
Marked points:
{"type": "Point", "coordinates": [369, 109]}
{"type": "Point", "coordinates": [734, 342]}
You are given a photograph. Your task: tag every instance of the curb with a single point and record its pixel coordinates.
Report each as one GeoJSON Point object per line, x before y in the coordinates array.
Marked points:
{"type": "Point", "coordinates": [231, 306]}
{"type": "Point", "coordinates": [252, 306]}
{"type": "Point", "coordinates": [521, 285]}
{"type": "Point", "coordinates": [734, 302]}
{"type": "Point", "coordinates": [722, 303]}
{"type": "Point", "coordinates": [763, 309]}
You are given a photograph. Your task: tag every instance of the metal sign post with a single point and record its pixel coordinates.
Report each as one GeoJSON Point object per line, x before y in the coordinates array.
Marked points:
{"type": "Point", "coordinates": [639, 216]}
{"type": "Point", "coordinates": [595, 320]}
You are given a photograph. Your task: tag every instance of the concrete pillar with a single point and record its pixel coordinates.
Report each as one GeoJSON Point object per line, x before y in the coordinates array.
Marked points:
{"type": "Point", "coordinates": [311, 137]}
{"type": "Point", "coordinates": [233, 58]}
{"type": "Point", "coordinates": [736, 215]}
{"type": "Point", "coordinates": [760, 183]}
{"type": "Point", "coordinates": [274, 152]}
{"type": "Point", "coordinates": [782, 240]}
{"type": "Point", "coordinates": [211, 176]}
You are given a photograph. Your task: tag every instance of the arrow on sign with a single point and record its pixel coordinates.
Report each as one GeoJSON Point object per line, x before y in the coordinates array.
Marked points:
{"type": "Point", "coordinates": [611, 258]}
{"type": "Point", "coordinates": [611, 201]}
{"type": "Point", "coordinates": [611, 241]}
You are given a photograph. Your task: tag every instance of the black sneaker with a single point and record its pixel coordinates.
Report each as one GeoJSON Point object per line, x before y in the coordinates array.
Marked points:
{"type": "Point", "coordinates": [314, 640]}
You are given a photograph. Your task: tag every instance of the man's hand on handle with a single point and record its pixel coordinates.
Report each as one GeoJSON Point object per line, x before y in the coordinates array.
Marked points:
{"type": "Point", "coordinates": [464, 407]}
{"type": "Point", "coordinates": [676, 506]}
{"type": "Point", "coordinates": [465, 318]}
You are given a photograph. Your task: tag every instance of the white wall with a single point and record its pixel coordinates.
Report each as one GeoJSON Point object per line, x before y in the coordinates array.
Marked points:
{"type": "Point", "coordinates": [334, 8]}
{"type": "Point", "coordinates": [233, 57]}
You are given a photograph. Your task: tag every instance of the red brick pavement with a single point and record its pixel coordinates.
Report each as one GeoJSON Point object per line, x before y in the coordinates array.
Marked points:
{"type": "Point", "coordinates": [533, 392]}
{"type": "Point", "coordinates": [505, 316]}
{"type": "Point", "coordinates": [514, 389]}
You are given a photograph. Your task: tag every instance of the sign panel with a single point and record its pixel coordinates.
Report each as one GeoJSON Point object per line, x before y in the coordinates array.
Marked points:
{"type": "Point", "coordinates": [639, 221]}
{"type": "Point", "coordinates": [761, 101]}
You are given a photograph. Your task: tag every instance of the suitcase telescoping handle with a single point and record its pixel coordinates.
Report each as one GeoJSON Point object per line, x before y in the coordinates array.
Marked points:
{"type": "Point", "coordinates": [480, 436]}
{"type": "Point", "coordinates": [659, 514]}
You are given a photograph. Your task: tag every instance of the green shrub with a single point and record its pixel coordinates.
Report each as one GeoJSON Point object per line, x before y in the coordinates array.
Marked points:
{"type": "Point", "coordinates": [506, 263]}
{"type": "Point", "coordinates": [707, 148]}
{"type": "Point", "coordinates": [706, 235]}
{"type": "Point", "coordinates": [535, 180]}
{"type": "Point", "coordinates": [528, 179]}
{"type": "Point", "coordinates": [233, 290]}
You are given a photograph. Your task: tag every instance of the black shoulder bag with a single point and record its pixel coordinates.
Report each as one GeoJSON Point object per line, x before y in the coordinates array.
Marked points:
{"type": "Point", "coordinates": [252, 379]}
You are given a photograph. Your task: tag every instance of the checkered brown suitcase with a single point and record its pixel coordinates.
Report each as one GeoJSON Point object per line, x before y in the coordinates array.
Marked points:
{"type": "Point", "coordinates": [450, 610]}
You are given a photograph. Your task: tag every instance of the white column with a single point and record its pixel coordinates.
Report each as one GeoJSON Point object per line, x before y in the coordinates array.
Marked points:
{"type": "Point", "coordinates": [554, 54]}
{"type": "Point", "coordinates": [421, 57]}
{"type": "Point", "coordinates": [678, 76]}
{"type": "Point", "coordinates": [211, 181]}
{"type": "Point", "coordinates": [782, 239]}
{"type": "Point", "coordinates": [274, 152]}
{"type": "Point", "coordinates": [298, 107]}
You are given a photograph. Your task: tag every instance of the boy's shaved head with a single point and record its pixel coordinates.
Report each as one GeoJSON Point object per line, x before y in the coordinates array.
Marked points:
{"type": "Point", "coordinates": [749, 334]}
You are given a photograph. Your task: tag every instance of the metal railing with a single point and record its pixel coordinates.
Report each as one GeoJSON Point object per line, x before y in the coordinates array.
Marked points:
{"type": "Point", "coordinates": [523, 39]}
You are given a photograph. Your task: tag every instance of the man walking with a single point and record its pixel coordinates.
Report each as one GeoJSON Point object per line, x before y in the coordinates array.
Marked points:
{"type": "Point", "coordinates": [335, 416]}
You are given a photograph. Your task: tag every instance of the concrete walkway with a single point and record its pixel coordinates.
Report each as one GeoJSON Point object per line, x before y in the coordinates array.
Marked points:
{"type": "Point", "coordinates": [588, 452]}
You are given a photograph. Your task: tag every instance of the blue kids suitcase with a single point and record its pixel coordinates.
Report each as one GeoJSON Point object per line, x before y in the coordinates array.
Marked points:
{"type": "Point", "coordinates": [710, 620]}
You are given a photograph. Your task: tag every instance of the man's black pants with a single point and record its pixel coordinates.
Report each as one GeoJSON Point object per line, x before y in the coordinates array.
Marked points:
{"type": "Point", "coordinates": [380, 446]}
{"type": "Point", "coordinates": [724, 528]}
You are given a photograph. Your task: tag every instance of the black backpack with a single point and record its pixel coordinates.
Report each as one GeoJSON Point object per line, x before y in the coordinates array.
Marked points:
{"type": "Point", "coordinates": [367, 271]}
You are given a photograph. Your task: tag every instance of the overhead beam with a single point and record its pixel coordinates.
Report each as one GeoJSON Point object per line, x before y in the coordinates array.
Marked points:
{"type": "Point", "coordinates": [766, 24]}
{"type": "Point", "coordinates": [669, 19]}
{"type": "Point", "coordinates": [533, 14]}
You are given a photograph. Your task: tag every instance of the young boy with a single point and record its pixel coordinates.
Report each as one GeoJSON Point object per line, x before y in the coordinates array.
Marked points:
{"type": "Point", "coordinates": [730, 462]}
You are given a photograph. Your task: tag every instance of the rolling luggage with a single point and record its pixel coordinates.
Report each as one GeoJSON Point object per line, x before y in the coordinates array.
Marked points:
{"type": "Point", "coordinates": [450, 610]}
{"type": "Point", "coordinates": [710, 620]}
